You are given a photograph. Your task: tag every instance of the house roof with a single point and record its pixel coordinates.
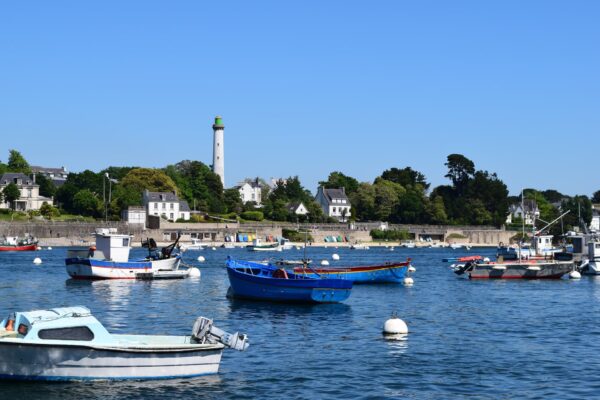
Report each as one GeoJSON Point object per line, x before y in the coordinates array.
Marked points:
{"type": "Point", "coordinates": [529, 206]}
{"type": "Point", "coordinates": [37, 168]}
{"type": "Point", "coordinates": [293, 206]}
{"type": "Point", "coordinates": [184, 206]}
{"type": "Point", "coordinates": [331, 194]}
{"type": "Point", "coordinates": [10, 177]}
{"type": "Point", "coordinates": [161, 196]}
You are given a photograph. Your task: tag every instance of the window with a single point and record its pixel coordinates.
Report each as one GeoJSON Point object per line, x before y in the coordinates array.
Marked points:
{"type": "Point", "coordinates": [172, 216]}
{"type": "Point", "coordinates": [156, 206]}
{"type": "Point", "coordinates": [164, 206]}
{"type": "Point", "coordinates": [333, 210]}
{"type": "Point", "coordinates": [75, 333]}
{"type": "Point", "coordinates": [172, 205]}
{"type": "Point", "coordinates": [125, 242]}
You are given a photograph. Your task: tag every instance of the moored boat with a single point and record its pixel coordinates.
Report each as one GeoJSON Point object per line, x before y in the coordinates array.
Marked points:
{"type": "Point", "coordinates": [532, 269]}
{"type": "Point", "coordinates": [14, 243]}
{"type": "Point", "coordinates": [392, 272]}
{"type": "Point", "coordinates": [67, 344]}
{"type": "Point", "coordinates": [258, 246]}
{"type": "Point", "coordinates": [109, 259]}
{"type": "Point", "coordinates": [266, 282]}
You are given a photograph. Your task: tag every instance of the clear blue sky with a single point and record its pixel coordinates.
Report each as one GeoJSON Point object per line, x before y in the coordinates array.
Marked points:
{"type": "Point", "coordinates": [308, 87]}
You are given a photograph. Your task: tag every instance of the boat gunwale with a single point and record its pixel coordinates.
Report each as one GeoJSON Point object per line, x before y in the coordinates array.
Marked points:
{"type": "Point", "coordinates": [185, 348]}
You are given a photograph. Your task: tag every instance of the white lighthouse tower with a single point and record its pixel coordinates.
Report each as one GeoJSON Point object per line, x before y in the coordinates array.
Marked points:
{"type": "Point", "coordinates": [219, 149]}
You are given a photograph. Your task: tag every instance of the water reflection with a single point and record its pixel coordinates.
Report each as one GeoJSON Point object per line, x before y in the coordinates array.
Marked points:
{"type": "Point", "coordinates": [397, 344]}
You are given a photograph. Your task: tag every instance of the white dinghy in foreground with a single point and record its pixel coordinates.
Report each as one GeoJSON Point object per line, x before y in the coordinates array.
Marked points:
{"type": "Point", "coordinates": [66, 344]}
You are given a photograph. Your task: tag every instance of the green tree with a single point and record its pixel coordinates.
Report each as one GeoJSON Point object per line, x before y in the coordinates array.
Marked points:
{"type": "Point", "coordinates": [11, 193]}
{"type": "Point", "coordinates": [460, 169]}
{"type": "Point", "coordinates": [86, 203]}
{"type": "Point", "coordinates": [337, 179]}
{"type": "Point", "coordinates": [233, 201]}
{"type": "Point", "coordinates": [596, 197]}
{"type": "Point", "coordinates": [363, 202]}
{"type": "Point", "coordinates": [17, 163]}
{"type": "Point", "coordinates": [387, 196]}
{"type": "Point", "coordinates": [49, 211]}
{"type": "Point", "coordinates": [47, 187]}
{"type": "Point", "coordinates": [437, 211]}
{"type": "Point", "coordinates": [405, 177]}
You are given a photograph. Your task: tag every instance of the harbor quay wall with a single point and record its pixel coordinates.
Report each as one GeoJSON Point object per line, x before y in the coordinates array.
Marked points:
{"type": "Point", "coordinates": [56, 233]}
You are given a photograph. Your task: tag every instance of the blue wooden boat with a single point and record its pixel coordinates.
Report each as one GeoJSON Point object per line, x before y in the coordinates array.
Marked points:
{"type": "Point", "coordinates": [392, 272]}
{"type": "Point", "coordinates": [267, 282]}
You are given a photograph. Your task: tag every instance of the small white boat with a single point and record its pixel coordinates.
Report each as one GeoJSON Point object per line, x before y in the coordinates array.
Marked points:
{"type": "Point", "coordinates": [195, 245]}
{"type": "Point", "coordinates": [456, 246]}
{"type": "Point", "coordinates": [359, 246]}
{"type": "Point", "coordinates": [109, 259]}
{"type": "Point", "coordinates": [258, 246]}
{"type": "Point", "coordinates": [409, 244]}
{"type": "Point", "coordinates": [69, 344]}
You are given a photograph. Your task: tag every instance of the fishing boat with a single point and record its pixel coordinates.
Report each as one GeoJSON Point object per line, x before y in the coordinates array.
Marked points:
{"type": "Point", "coordinates": [109, 259]}
{"type": "Point", "coordinates": [267, 282]}
{"type": "Point", "coordinates": [258, 246]}
{"type": "Point", "coordinates": [14, 243]}
{"type": "Point", "coordinates": [521, 269]}
{"type": "Point", "coordinates": [70, 344]}
{"type": "Point", "coordinates": [591, 264]}
{"type": "Point", "coordinates": [392, 272]}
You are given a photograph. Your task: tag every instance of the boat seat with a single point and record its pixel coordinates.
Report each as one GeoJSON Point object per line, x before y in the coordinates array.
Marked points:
{"type": "Point", "coordinates": [280, 273]}
{"type": "Point", "coordinates": [9, 334]}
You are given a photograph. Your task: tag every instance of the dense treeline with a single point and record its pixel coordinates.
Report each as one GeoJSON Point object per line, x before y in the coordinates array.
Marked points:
{"type": "Point", "coordinates": [398, 195]}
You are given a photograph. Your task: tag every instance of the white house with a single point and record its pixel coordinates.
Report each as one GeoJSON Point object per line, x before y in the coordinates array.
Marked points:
{"type": "Point", "coordinates": [297, 208]}
{"type": "Point", "coordinates": [134, 215]}
{"type": "Point", "coordinates": [528, 210]}
{"type": "Point", "coordinates": [165, 204]}
{"type": "Point", "coordinates": [334, 203]}
{"type": "Point", "coordinates": [250, 190]}
{"type": "Point", "coordinates": [30, 192]}
{"type": "Point", "coordinates": [595, 224]}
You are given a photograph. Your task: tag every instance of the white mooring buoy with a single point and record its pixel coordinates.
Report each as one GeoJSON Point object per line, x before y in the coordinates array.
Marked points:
{"type": "Point", "coordinates": [49, 248]}
{"type": "Point", "coordinates": [213, 248]}
{"type": "Point", "coordinates": [325, 262]}
{"type": "Point", "coordinates": [201, 259]}
{"type": "Point", "coordinates": [411, 268]}
{"type": "Point", "coordinates": [408, 281]}
{"type": "Point", "coordinates": [335, 257]}
{"type": "Point", "coordinates": [37, 261]}
{"type": "Point", "coordinates": [574, 275]}
{"type": "Point", "coordinates": [395, 326]}
{"type": "Point", "coordinates": [194, 273]}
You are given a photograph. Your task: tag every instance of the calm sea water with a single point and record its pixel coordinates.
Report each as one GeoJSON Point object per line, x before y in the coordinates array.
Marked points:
{"type": "Point", "coordinates": [468, 339]}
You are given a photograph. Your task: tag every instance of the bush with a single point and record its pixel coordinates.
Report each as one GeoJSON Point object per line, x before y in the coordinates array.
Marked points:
{"type": "Point", "coordinates": [296, 236]}
{"type": "Point", "coordinates": [253, 215]}
{"type": "Point", "coordinates": [456, 236]}
{"type": "Point", "coordinates": [390, 234]}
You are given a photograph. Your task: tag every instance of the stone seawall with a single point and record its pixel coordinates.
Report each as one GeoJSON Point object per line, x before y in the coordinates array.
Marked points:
{"type": "Point", "coordinates": [70, 233]}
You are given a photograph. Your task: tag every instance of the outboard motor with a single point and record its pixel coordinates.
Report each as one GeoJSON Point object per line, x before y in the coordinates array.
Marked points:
{"type": "Point", "coordinates": [205, 332]}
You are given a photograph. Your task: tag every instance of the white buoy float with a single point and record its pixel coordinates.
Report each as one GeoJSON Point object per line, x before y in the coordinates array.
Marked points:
{"type": "Point", "coordinates": [408, 281]}
{"type": "Point", "coordinates": [49, 248]}
{"type": "Point", "coordinates": [395, 326]}
{"type": "Point", "coordinates": [411, 268]}
{"type": "Point", "coordinates": [298, 247]}
{"type": "Point", "coordinates": [335, 257]}
{"type": "Point", "coordinates": [194, 272]}
{"type": "Point", "coordinates": [325, 262]}
{"type": "Point", "coordinates": [201, 259]}
{"type": "Point", "coordinates": [37, 261]}
{"type": "Point", "coordinates": [575, 275]}
{"type": "Point", "coordinates": [213, 248]}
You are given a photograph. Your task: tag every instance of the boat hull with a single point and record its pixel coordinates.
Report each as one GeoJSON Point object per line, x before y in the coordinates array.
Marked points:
{"type": "Point", "coordinates": [89, 268]}
{"type": "Point", "coordinates": [29, 247]}
{"type": "Point", "coordinates": [392, 273]}
{"type": "Point", "coordinates": [304, 289]}
{"type": "Point", "coordinates": [554, 270]}
{"type": "Point", "coordinates": [23, 361]}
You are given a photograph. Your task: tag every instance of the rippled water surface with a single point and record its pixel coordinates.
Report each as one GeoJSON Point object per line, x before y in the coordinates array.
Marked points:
{"type": "Point", "coordinates": [475, 339]}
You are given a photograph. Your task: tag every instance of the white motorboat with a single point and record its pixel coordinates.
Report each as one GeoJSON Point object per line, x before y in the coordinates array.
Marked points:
{"type": "Point", "coordinates": [67, 344]}
{"type": "Point", "coordinates": [359, 246]}
{"type": "Point", "coordinates": [109, 259]}
{"type": "Point", "coordinates": [195, 245]}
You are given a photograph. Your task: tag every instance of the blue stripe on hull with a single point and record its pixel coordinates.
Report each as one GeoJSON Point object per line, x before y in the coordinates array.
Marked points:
{"type": "Point", "coordinates": [392, 275]}
{"type": "Point", "coordinates": [109, 264]}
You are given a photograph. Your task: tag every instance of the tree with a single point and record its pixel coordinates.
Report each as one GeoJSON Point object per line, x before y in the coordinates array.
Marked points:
{"type": "Point", "coordinates": [233, 201]}
{"type": "Point", "coordinates": [405, 177]}
{"type": "Point", "coordinates": [151, 179]}
{"type": "Point", "coordinates": [49, 211]}
{"type": "Point", "coordinates": [337, 179]}
{"type": "Point", "coordinates": [11, 193]}
{"type": "Point", "coordinates": [86, 203]}
{"type": "Point", "coordinates": [596, 197]}
{"type": "Point", "coordinates": [17, 163]}
{"type": "Point", "coordinates": [47, 187]}
{"type": "Point", "coordinates": [386, 198]}
{"type": "Point", "coordinates": [198, 183]}
{"type": "Point", "coordinates": [460, 169]}
{"type": "Point", "coordinates": [363, 202]}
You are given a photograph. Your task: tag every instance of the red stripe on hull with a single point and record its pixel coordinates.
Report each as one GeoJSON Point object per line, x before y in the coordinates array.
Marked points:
{"type": "Point", "coordinates": [30, 247]}
{"type": "Point", "coordinates": [517, 277]}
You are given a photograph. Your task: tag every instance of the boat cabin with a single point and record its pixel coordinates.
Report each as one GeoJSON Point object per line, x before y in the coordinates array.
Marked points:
{"type": "Point", "coordinates": [542, 244]}
{"type": "Point", "coordinates": [58, 324]}
{"type": "Point", "coordinates": [113, 245]}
